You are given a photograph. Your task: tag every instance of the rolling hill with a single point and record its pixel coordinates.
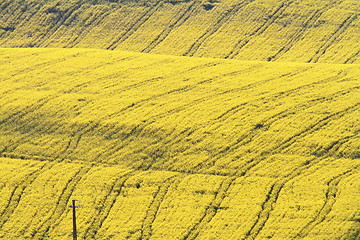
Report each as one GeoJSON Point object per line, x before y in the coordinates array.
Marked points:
{"type": "Point", "coordinates": [173, 147]}
{"type": "Point", "coordinates": [325, 31]}
{"type": "Point", "coordinates": [180, 119]}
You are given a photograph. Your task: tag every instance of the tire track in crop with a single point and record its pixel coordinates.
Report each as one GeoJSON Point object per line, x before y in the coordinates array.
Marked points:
{"type": "Point", "coordinates": [316, 126]}
{"type": "Point", "coordinates": [75, 138]}
{"type": "Point", "coordinates": [11, 22]}
{"type": "Point", "coordinates": [186, 106]}
{"type": "Point", "coordinates": [174, 91]}
{"type": "Point", "coordinates": [340, 74]}
{"type": "Point", "coordinates": [260, 30]}
{"type": "Point", "coordinates": [18, 192]}
{"type": "Point", "coordinates": [154, 79]}
{"type": "Point", "coordinates": [83, 71]}
{"type": "Point", "coordinates": [22, 113]}
{"type": "Point", "coordinates": [9, 149]}
{"type": "Point", "coordinates": [4, 8]}
{"type": "Point", "coordinates": [116, 148]}
{"type": "Point", "coordinates": [234, 109]}
{"type": "Point", "coordinates": [152, 211]}
{"type": "Point", "coordinates": [141, 126]}
{"type": "Point", "coordinates": [27, 110]}
{"type": "Point", "coordinates": [314, 17]}
{"type": "Point", "coordinates": [64, 17]}
{"type": "Point", "coordinates": [25, 22]}
{"type": "Point", "coordinates": [216, 26]}
{"type": "Point", "coordinates": [291, 140]}
{"type": "Point", "coordinates": [330, 199]}
{"type": "Point", "coordinates": [106, 206]}
{"type": "Point", "coordinates": [339, 31]}
{"type": "Point", "coordinates": [272, 196]}
{"type": "Point", "coordinates": [81, 35]}
{"type": "Point", "coordinates": [333, 148]}
{"type": "Point", "coordinates": [285, 144]}
{"type": "Point", "coordinates": [352, 58]}
{"type": "Point", "coordinates": [135, 25]}
{"type": "Point", "coordinates": [210, 210]}
{"type": "Point", "coordinates": [266, 123]}
{"type": "Point", "coordinates": [56, 216]}
{"type": "Point", "coordinates": [43, 64]}
{"type": "Point", "coordinates": [183, 16]}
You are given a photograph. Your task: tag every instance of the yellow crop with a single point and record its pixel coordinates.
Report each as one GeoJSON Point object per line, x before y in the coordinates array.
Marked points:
{"type": "Point", "coordinates": [324, 31]}
{"type": "Point", "coordinates": [165, 147]}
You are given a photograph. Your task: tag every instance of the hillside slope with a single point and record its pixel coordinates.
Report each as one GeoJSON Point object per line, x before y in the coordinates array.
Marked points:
{"type": "Point", "coordinates": [165, 147]}
{"type": "Point", "coordinates": [324, 31]}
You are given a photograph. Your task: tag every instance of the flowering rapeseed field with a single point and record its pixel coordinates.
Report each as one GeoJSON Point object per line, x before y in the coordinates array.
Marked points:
{"type": "Point", "coordinates": [324, 31]}
{"type": "Point", "coordinates": [166, 147]}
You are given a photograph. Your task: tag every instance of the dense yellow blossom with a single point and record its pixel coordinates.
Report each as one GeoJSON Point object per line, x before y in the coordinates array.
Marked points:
{"type": "Point", "coordinates": [324, 31]}
{"type": "Point", "coordinates": [165, 147]}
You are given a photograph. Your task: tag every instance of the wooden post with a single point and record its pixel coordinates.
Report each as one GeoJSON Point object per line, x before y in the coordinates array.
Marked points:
{"type": "Point", "coordinates": [74, 219]}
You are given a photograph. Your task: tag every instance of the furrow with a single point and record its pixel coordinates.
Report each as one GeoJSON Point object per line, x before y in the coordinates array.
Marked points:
{"type": "Point", "coordinates": [82, 34]}
{"type": "Point", "coordinates": [330, 199]}
{"type": "Point", "coordinates": [216, 26]}
{"type": "Point", "coordinates": [184, 15]}
{"type": "Point", "coordinates": [288, 142]}
{"type": "Point", "coordinates": [75, 139]}
{"type": "Point", "coordinates": [243, 42]}
{"type": "Point", "coordinates": [60, 208]}
{"type": "Point", "coordinates": [314, 127]}
{"type": "Point", "coordinates": [271, 198]}
{"type": "Point", "coordinates": [211, 210]}
{"type": "Point", "coordinates": [340, 30]}
{"type": "Point", "coordinates": [267, 123]}
{"type": "Point", "coordinates": [41, 65]}
{"type": "Point", "coordinates": [14, 20]}
{"type": "Point", "coordinates": [40, 129]}
{"type": "Point", "coordinates": [151, 213]}
{"type": "Point", "coordinates": [18, 192]}
{"type": "Point", "coordinates": [305, 26]}
{"type": "Point", "coordinates": [352, 58]}
{"type": "Point", "coordinates": [135, 25]}
{"type": "Point", "coordinates": [27, 110]}
{"type": "Point", "coordinates": [233, 110]}
{"type": "Point", "coordinates": [70, 13]}
{"type": "Point", "coordinates": [107, 204]}
{"type": "Point", "coordinates": [183, 89]}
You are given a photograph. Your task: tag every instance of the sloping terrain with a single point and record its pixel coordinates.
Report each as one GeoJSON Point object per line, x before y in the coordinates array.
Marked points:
{"type": "Point", "coordinates": [165, 147]}
{"type": "Point", "coordinates": [324, 31]}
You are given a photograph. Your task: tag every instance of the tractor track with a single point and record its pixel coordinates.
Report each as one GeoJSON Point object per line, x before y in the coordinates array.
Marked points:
{"type": "Point", "coordinates": [267, 122]}
{"type": "Point", "coordinates": [152, 211]}
{"type": "Point", "coordinates": [18, 192]}
{"type": "Point", "coordinates": [183, 16]}
{"type": "Point", "coordinates": [272, 196]}
{"type": "Point", "coordinates": [211, 210]}
{"type": "Point", "coordinates": [216, 26]}
{"type": "Point", "coordinates": [306, 25]}
{"type": "Point", "coordinates": [330, 199]}
{"type": "Point", "coordinates": [336, 34]}
{"type": "Point", "coordinates": [107, 204]}
{"type": "Point", "coordinates": [61, 206]}
{"type": "Point", "coordinates": [64, 17]}
{"type": "Point", "coordinates": [135, 25]}
{"type": "Point", "coordinates": [260, 30]}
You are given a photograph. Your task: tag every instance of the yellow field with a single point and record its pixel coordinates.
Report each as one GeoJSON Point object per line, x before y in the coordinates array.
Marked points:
{"type": "Point", "coordinates": [325, 31]}
{"type": "Point", "coordinates": [165, 147]}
